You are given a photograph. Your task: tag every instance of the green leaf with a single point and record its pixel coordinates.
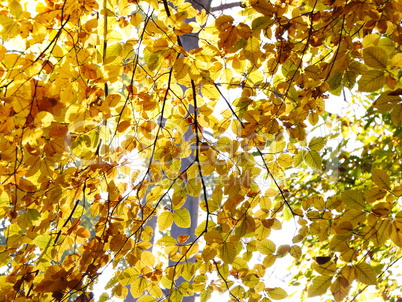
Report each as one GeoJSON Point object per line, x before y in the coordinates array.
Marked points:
{"type": "Point", "coordinates": [319, 286]}
{"type": "Point", "coordinates": [182, 218]}
{"type": "Point", "coordinates": [165, 220]}
{"type": "Point", "coordinates": [353, 199]}
{"type": "Point", "coordinates": [313, 160]}
{"type": "Point", "coordinates": [365, 273]}
{"type": "Point", "coordinates": [375, 57]}
{"type": "Point", "coordinates": [317, 143]}
{"type": "Point", "coordinates": [371, 81]}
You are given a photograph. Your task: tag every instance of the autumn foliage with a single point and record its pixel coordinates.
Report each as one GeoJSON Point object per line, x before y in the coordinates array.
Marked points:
{"type": "Point", "coordinates": [111, 128]}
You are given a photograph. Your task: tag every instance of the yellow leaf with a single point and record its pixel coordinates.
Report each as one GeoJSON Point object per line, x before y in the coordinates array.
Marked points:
{"type": "Point", "coordinates": [43, 241]}
{"type": "Point", "coordinates": [266, 246]}
{"type": "Point", "coordinates": [338, 242]}
{"type": "Point", "coordinates": [353, 199]}
{"type": "Point", "coordinates": [319, 286]}
{"type": "Point", "coordinates": [295, 251]}
{"type": "Point", "coordinates": [277, 293]}
{"type": "Point", "coordinates": [386, 102]}
{"type": "Point", "coordinates": [251, 280]}
{"type": "Point", "coordinates": [328, 268]}
{"type": "Point", "coordinates": [120, 291]}
{"type": "Point", "coordinates": [128, 275]}
{"type": "Point", "coordinates": [396, 115]}
{"type": "Point", "coordinates": [165, 220]}
{"type": "Point", "coordinates": [317, 143]}
{"type": "Point", "coordinates": [263, 6]}
{"type": "Point", "coordinates": [182, 28]}
{"type": "Point", "coordinates": [313, 118]}
{"type": "Point", "coordinates": [146, 298]}
{"type": "Point", "coordinates": [269, 260]}
{"type": "Point", "coordinates": [371, 40]}
{"type": "Point", "coordinates": [375, 57]}
{"type": "Point", "coordinates": [181, 67]}
{"type": "Point", "coordinates": [15, 8]}
{"type": "Point", "coordinates": [194, 187]}
{"type": "Point", "coordinates": [285, 160]}
{"type": "Point", "coordinates": [374, 194]}
{"type": "Point", "coordinates": [356, 217]}
{"type": "Point", "coordinates": [182, 218]}
{"type": "Point", "coordinates": [396, 61]}
{"type": "Point", "coordinates": [381, 179]}
{"type": "Point", "coordinates": [227, 252]}
{"type": "Point", "coordinates": [213, 236]}
{"type": "Point", "coordinates": [313, 160]}
{"type": "Point", "coordinates": [340, 288]}
{"type": "Point", "coordinates": [147, 258]}
{"type": "Point", "coordinates": [396, 234]}
{"type": "Point", "coordinates": [43, 119]}
{"type": "Point", "coordinates": [313, 71]}
{"type": "Point", "coordinates": [365, 273]}
{"type": "Point", "coordinates": [277, 146]}
{"type": "Point", "coordinates": [298, 158]}
{"type": "Point", "coordinates": [135, 19]}
{"type": "Point", "coordinates": [138, 287]}
{"type": "Point", "coordinates": [397, 191]}
{"type": "Point", "coordinates": [371, 81]}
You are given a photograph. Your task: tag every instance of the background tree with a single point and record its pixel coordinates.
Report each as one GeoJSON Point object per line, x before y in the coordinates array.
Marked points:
{"type": "Point", "coordinates": [86, 86]}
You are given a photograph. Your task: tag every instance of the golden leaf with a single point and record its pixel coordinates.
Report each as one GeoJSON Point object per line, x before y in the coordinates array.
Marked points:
{"type": "Point", "coordinates": [371, 80]}
{"type": "Point", "coordinates": [181, 218]}
{"type": "Point", "coordinates": [366, 274]}
{"type": "Point", "coordinates": [381, 179]}
{"type": "Point", "coordinates": [319, 285]}
{"type": "Point", "coordinates": [375, 57]}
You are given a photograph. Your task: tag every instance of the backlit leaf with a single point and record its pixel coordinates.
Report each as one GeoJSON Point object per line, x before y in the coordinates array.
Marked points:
{"type": "Point", "coordinates": [366, 274]}
{"type": "Point", "coordinates": [266, 246]}
{"type": "Point", "coordinates": [313, 160]}
{"type": "Point", "coordinates": [227, 252]}
{"type": "Point", "coordinates": [317, 143]}
{"type": "Point", "coordinates": [371, 80]}
{"type": "Point", "coordinates": [165, 220]}
{"type": "Point", "coordinates": [319, 286]}
{"type": "Point", "coordinates": [353, 199]}
{"type": "Point", "coordinates": [181, 218]}
{"type": "Point", "coordinates": [128, 275]}
{"type": "Point", "coordinates": [375, 57]}
{"type": "Point", "coordinates": [277, 293]}
{"type": "Point", "coordinates": [381, 179]}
